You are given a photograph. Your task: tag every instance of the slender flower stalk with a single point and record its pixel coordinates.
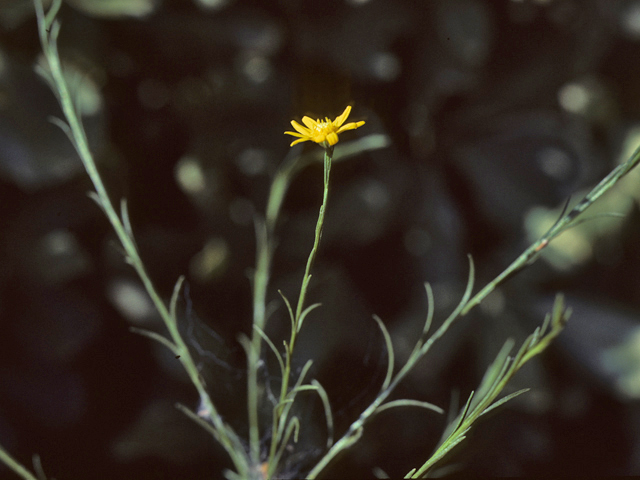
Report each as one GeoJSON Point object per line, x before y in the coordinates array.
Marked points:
{"type": "Point", "coordinates": [324, 133]}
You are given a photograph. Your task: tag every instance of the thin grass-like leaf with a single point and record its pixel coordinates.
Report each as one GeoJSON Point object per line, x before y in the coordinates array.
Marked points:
{"type": "Point", "coordinates": [455, 425]}
{"type": "Point", "coordinates": [504, 400]}
{"type": "Point", "coordinates": [291, 315]}
{"type": "Point", "coordinates": [283, 407]}
{"type": "Point", "coordinates": [411, 472]}
{"type": "Point", "coordinates": [157, 337]}
{"type": "Point", "coordinates": [436, 458]}
{"type": "Point", "coordinates": [545, 324]}
{"type": "Point", "coordinates": [409, 403]}
{"type": "Point", "coordinates": [64, 126]}
{"type": "Point", "coordinates": [558, 309]}
{"type": "Point", "coordinates": [231, 475]}
{"type": "Point", "coordinates": [306, 312]}
{"type": "Point", "coordinates": [524, 349]}
{"type": "Point", "coordinates": [379, 473]}
{"type": "Point", "coordinates": [45, 74]}
{"type": "Point", "coordinates": [126, 222]}
{"type": "Point", "coordinates": [37, 467]}
{"type": "Point", "coordinates": [467, 292]}
{"type": "Point", "coordinates": [244, 341]}
{"type": "Point", "coordinates": [322, 393]}
{"type": "Point", "coordinates": [303, 373]}
{"type": "Point", "coordinates": [430, 308]}
{"type": "Point", "coordinates": [96, 198]}
{"type": "Point", "coordinates": [272, 346]}
{"type": "Point", "coordinates": [456, 312]}
{"type": "Point", "coordinates": [292, 427]}
{"type": "Point", "coordinates": [494, 373]}
{"type": "Point", "coordinates": [390, 353]}
{"type": "Point", "coordinates": [173, 304]}
{"type": "Point", "coordinates": [535, 336]}
{"type": "Point", "coordinates": [199, 420]}
{"type": "Point", "coordinates": [51, 14]}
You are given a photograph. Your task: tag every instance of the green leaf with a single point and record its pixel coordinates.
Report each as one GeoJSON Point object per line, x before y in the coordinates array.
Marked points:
{"type": "Point", "coordinates": [157, 337]}
{"type": "Point", "coordinates": [322, 393]}
{"type": "Point", "coordinates": [306, 312]}
{"type": "Point", "coordinates": [51, 14]}
{"type": "Point", "coordinates": [200, 421]}
{"type": "Point", "coordinates": [456, 312]}
{"type": "Point", "coordinates": [291, 316]}
{"type": "Point", "coordinates": [126, 223]}
{"type": "Point", "coordinates": [430, 308]}
{"type": "Point", "coordinates": [390, 353]}
{"type": "Point", "coordinates": [494, 373]}
{"type": "Point", "coordinates": [273, 348]}
{"type": "Point", "coordinates": [379, 473]}
{"type": "Point", "coordinates": [303, 373]}
{"type": "Point", "coordinates": [96, 198]}
{"type": "Point", "coordinates": [504, 400]}
{"type": "Point", "coordinates": [409, 403]}
{"type": "Point", "coordinates": [455, 425]}
{"type": "Point", "coordinates": [173, 304]}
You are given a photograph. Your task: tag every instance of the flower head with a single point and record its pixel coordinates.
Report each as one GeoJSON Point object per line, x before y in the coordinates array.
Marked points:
{"type": "Point", "coordinates": [324, 133]}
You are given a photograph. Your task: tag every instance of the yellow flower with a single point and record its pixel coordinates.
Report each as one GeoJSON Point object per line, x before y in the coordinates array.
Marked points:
{"type": "Point", "coordinates": [324, 133]}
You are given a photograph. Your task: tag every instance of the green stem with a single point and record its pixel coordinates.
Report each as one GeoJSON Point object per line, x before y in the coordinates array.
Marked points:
{"type": "Point", "coordinates": [565, 222]}
{"type": "Point", "coordinates": [284, 388]}
{"type": "Point", "coordinates": [328, 154]}
{"type": "Point", "coordinates": [526, 258]}
{"type": "Point", "coordinates": [76, 133]}
{"type": "Point", "coordinates": [265, 246]}
{"type": "Point", "coordinates": [14, 465]}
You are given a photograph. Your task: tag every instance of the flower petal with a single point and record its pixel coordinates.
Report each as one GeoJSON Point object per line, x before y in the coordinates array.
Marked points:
{"type": "Point", "coordinates": [332, 138]}
{"type": "Point", "coordinates": [319, 137]}
{"type": "Point", "coordinates": [296, 134]}
{"type": "Point", "coordinates": [340, 120]}
{"type": "Point", "coordinates": [350, 126]}
{"type": "Point", "coordinates": [309, 122]}
{"type": "Point", "coordinates": [300, 140]}
{"type": "Point", "coordinates": [299, 128]}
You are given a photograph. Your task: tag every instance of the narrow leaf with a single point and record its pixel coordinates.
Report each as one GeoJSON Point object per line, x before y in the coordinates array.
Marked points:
{"type": "Point", "coordinates": [409, 403]}
{"type": "Point", "coordinates": [173, 304]}
{"type": "Point", "coordinates": [322, 393]}
{"type": "Point", "coordinates": [51, 14]}
{"type": "Point", "coordinates": [303, 373]}
{"type": "Point", "coordinates": [124, 213]}
{"type": "Point", "coordinates": [504, 400]}
{"type": "Point", "coordinates": [390, 353]}
{"type": "Point", "coordinates": [200, 421]}
{"type": "Point", "coordinates": [157, 337]}
{"type": "Point", "coordinates": [291, 316]}
{"type": "Point", "coordinates": [272, 346]}
{"type": "Point", "coordinates": [96, 198]}
{"type": "Point", "coordinates": [430, 308]}
{"type": "Point", "coordinates": [306, 312]}
{"type": "Point", "coordinates": [494, 373]}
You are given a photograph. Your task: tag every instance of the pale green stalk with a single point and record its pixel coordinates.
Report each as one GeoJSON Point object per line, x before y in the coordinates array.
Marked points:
{"type": "Point", "coordinates": [279, 419]}
{"type": "Point", "coordinates": [49, 29]}
{"type": "Point", "coordinates": [527, 258]}
{"type": "Point", "coordinates": [14, 465]}
{"type": "Point", "coordinates": [566, 221]}
{"type": "Point", "coordinates": [265, 246]}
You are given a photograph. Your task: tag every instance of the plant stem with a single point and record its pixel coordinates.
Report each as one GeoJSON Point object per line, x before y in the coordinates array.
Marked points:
{"type": "Point", "coordinates": [13, 464]}
{"type": "Point", "coordinates": [49, 30]}
{"type": "Point", "coordinates": [278, 420]}
{"type": "Point", "coordinates": [565, 222]}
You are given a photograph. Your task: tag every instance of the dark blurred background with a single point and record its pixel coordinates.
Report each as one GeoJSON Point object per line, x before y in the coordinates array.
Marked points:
{"type": "Point", "coordinates": [494, 114]}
